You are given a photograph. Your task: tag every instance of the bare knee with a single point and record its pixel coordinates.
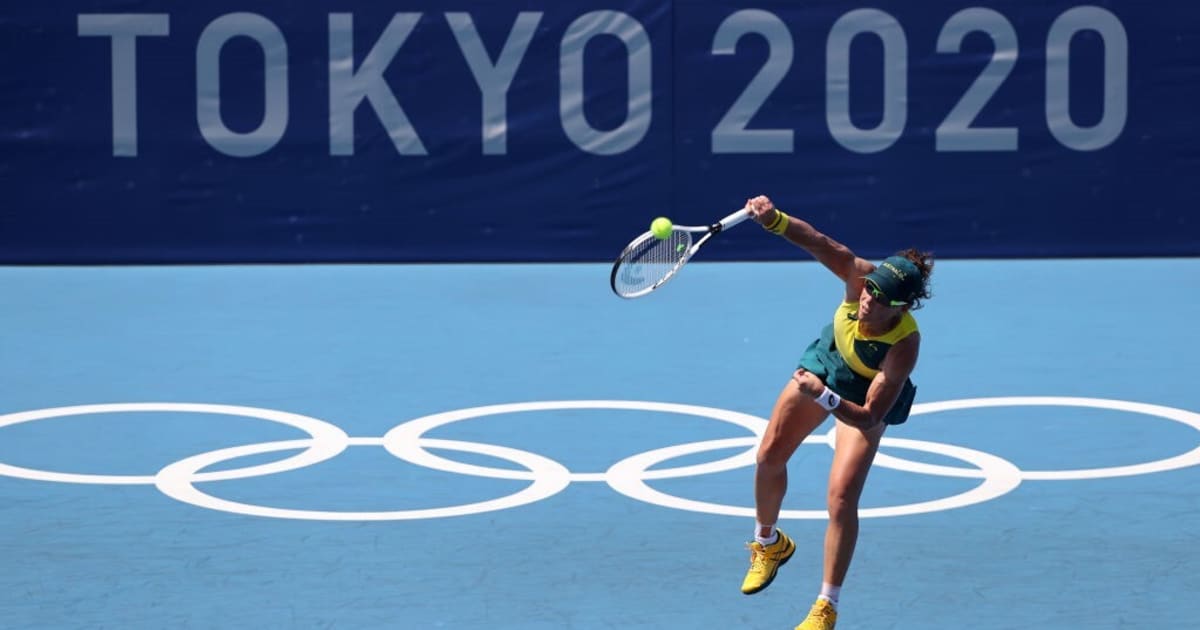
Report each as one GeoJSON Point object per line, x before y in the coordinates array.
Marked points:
{"type": "Point", "coordinates": [772, 458]}
{"type": "Point", "coordinates": [842, 505]}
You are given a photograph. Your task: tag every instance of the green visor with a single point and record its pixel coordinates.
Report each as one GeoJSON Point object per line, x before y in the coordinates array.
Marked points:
{"type": "Point", "coordinates": [896, 281]}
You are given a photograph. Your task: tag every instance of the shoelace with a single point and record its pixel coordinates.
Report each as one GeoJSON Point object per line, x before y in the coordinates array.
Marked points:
{"type": "Point", "coordinates": [823, 612]}
{"type": "Point", "coordinates": [819, 616]}
{"type": "Point", "coordinates": [758, 556]}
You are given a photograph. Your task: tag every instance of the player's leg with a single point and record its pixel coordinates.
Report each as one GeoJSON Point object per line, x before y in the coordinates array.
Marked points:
{"type": "Point", "coordinates": [852, 459]}
{"type": "Point", "coordinates": [794, 417]}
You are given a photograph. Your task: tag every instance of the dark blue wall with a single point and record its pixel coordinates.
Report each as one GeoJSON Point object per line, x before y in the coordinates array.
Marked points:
{"type": "Point", "coordinates": [355, 131]}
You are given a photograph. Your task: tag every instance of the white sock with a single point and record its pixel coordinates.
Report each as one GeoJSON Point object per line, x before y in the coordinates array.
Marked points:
{"type": "Point", "coordinates": [830, 593]}
{"type": "Point", "coordinates": [771, 537]}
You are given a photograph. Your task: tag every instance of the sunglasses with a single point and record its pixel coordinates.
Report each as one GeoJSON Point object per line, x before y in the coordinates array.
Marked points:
{"type": "Point", "coordinates": [873, 289]}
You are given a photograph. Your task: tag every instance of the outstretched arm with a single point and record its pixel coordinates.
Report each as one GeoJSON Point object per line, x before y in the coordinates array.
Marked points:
{"type": "Point", "coordinates": [835, 256]}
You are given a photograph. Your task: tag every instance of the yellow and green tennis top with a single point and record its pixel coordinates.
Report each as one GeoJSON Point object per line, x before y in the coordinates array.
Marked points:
{"type": "Point", "coordinates": [846, 360]}
{"type": "Point", "coordinates": [864, 354]}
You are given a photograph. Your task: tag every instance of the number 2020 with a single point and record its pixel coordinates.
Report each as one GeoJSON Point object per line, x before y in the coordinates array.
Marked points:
{"type": "Point", "coordinates": [956, 132]}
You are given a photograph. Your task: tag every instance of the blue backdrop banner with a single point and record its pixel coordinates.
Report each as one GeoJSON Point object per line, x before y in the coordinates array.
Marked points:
{"type": "Point", "coordinates": [229, 131]}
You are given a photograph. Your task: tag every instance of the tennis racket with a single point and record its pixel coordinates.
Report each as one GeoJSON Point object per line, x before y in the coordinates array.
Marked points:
{"type": "Point", "coordinates": [648, 262]}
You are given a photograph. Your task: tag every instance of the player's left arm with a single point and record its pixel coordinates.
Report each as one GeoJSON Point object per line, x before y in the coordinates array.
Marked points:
{"type": "Point", "coordinates": [885, 388]}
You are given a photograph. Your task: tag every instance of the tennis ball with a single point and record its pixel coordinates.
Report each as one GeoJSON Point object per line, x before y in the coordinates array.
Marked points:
{"type": "Point", "coordinates": [661, 228]}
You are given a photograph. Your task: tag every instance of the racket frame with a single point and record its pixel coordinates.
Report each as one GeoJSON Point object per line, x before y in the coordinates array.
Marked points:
{"type": "Point", "coordinates": [729, 221]}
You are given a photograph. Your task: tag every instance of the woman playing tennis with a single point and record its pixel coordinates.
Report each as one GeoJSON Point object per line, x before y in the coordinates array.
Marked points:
{"type": "Point", "coordinates": [858, 370]}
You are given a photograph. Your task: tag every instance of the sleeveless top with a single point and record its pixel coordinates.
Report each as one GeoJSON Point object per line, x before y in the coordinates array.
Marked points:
{"type": "Point", "coordinates": [861, 353]}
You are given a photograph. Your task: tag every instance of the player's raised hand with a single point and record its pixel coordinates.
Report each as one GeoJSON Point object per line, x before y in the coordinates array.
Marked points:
{"type": "Point", "coordinates": [761, 208]}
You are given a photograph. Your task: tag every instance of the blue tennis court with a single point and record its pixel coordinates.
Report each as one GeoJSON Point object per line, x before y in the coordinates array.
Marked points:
{"type": "Point", "coordinates": [307, 322]}
{"type": "Point", "coordinates": [511, 446]}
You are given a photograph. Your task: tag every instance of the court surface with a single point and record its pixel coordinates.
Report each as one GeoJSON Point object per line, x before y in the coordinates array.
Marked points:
{"type": "Point", "coordinates": [606, 481]}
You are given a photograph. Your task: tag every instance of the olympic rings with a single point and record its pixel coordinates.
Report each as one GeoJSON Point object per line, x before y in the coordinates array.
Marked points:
{"type": "Point", "coordinates": [401, 441]}
{"type": "Point", "coordinates": [548, 477]}
{"type": "Point", "coordinates": [1000, 477]}
{"type": "Point", "coordinates": [327, 441]}
{"type": "Point", "coordinates": [175, 481]}
{"type": "Point", "coordinates": [1190, 458]}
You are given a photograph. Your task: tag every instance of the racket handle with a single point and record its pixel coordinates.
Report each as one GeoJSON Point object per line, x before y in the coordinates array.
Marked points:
{"type": "Point", "coordinates": [734, 219]}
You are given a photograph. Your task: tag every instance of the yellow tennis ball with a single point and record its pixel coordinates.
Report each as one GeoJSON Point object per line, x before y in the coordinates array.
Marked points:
{"type": "Point", "coordinates": [661, 228]}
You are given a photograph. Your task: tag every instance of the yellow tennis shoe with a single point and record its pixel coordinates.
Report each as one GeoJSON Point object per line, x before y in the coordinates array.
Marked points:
{"type": "Point", "coordinates": [765, 561]}
{"type": "Point", "coordinates": [822, 616]}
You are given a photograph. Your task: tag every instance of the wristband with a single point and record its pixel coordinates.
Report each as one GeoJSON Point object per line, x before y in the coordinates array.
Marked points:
{"type": "Point", "coordinates": [780, 224]}
{"type": "Point", "coordinates": [774, 220]}
{"type": "Point", "coordinates": [828, 399]}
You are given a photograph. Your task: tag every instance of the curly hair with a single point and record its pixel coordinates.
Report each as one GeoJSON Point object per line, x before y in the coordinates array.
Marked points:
{"type": "Point", "coordinates": [924, 263]}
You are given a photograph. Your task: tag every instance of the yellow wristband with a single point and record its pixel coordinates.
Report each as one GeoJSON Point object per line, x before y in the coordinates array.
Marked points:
{"type": "Point", "coordinates": [774, 221]}
{"type": "Point", "coordinates": [780, 224]}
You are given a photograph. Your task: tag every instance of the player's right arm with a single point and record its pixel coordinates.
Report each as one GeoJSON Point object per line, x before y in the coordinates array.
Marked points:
{"type": "Point", "coordinates": [835, 256]}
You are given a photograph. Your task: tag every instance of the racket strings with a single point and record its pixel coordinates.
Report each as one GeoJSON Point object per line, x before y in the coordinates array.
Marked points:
{"type": "Point", "coordinates": [650, 261]}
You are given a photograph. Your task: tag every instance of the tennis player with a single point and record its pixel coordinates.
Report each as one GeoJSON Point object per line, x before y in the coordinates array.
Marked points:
{"type": "Point", "coordinates": [858, 370]}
